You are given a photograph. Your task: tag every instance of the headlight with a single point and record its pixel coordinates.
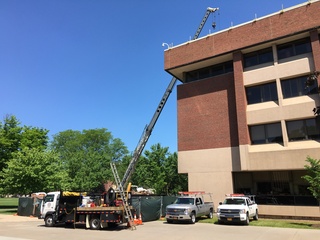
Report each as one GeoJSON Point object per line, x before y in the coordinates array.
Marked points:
{"type": "Point", "coordinates": [186, 211]}
{"type": "Point", "coordinates": [242, 211]}
{"type": "Point", "coordinates": [218, 210]}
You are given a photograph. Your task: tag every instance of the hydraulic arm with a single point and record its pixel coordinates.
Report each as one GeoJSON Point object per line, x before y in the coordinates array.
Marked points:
{"type": "Point", "coordinates": [148, 129]}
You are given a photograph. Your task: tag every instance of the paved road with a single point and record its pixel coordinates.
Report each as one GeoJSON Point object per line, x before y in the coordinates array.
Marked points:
{"type": "Point", "coordinates": [25, 228]}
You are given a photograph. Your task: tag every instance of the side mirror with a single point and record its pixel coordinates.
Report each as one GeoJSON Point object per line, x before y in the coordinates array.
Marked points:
{"type": "Point", "coordinates": [220, 203]}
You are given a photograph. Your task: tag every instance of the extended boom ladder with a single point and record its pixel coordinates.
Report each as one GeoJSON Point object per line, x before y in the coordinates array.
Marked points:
{"type": "Point", "coordinates": [148, 129]}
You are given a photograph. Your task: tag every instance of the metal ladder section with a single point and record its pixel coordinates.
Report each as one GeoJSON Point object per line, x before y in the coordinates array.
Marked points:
{"type": "Point", "coordinates": [126, 206]}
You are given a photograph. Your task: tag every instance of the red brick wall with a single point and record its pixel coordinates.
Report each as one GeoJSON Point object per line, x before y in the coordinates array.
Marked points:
{"type": "Point", "coordinates": [207, 114]}
{"type": "Point", "coordinates": [273, 27]}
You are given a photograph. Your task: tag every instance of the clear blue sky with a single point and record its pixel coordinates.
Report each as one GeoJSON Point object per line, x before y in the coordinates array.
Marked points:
{"type": "Point", "coordinates": [84, 64]}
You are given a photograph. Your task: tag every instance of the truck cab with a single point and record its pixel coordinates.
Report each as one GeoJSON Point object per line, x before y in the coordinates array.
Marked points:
{"type": "Point", "coordinates": [49, 204]}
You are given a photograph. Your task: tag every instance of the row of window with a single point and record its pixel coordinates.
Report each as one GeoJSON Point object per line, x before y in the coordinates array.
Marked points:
{"type": "Point", "coordinates": [293, 87]}
{"type": "Point", "coordinates": [286, 50]}
{"type": "Point", "coordinates": [297, 130]}
{"type": "Point", "coordinates": [211, 71]}
{"type": "Point", "coordinates": [254, 58]}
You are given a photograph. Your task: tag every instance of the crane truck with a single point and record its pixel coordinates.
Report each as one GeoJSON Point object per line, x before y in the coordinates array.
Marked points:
{"type": "Point", "coordinates": [70, 207]}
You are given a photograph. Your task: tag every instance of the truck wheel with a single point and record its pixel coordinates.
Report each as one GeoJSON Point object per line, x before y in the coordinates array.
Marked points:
{"type": "Point", "coordinates": [256, 217]}
{"type": "Point", "coordinates": [169, 221]}
{"type": "Point", "coordinates": [210, 215]}
{"type": "Point", "coordinates": [48, 221]}
{"type": "Point", "coordinates": [247, 221]}
{"type": "Point", "coordinates": [95, 224]}
{"type": "Point", "coordinates": [193, 218]}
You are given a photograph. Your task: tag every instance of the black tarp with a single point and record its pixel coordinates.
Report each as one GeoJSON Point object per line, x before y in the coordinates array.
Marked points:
{"type": "Point", "coordinates": [29, 206]}
{"type": "Point", "coordinates": [151, 208]}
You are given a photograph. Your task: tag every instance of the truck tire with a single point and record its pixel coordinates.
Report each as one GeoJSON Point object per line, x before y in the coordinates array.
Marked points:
{"type": "Point", "coordinates": [95, 224]}
{"type": "Point", "coordinates": [256, 216]}
{"type": "Point", "coordinates": [193, 218]}
{"type": "Point", "coordinates": [247, 221]}
{"type": "Point", "coordinates": [48, 221]}
{"type": "Point", "coordinates": [169, 221]}
{"type": "Point", "coordinates": [210, 215]}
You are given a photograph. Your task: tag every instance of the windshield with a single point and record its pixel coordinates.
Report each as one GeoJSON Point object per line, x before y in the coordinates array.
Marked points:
{"type": "Point", "coordinates": [49, 198]}
{"type": "Point", "coordinates": [234, 201]}
{"type": "Point", "coordinates": [184, 201]}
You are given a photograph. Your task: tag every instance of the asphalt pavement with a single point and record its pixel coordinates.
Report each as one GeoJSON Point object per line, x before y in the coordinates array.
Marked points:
{"type": "Point", "coordinates": [28, 228]}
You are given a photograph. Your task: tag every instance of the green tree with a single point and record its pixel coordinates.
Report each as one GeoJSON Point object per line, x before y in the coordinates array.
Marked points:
{"type": "Point", "coordinates": [10, 138]}
{"type": "Point", "coordinates": [32, 170]}
{"type": "Point", "coordinates": [14, 138]}
{"type": "Point", "coordinates": [158, 169]}
{"type": "Point", "coordinates": [313, 177]}
{"type": "Point", "coordinates": [87, 155]}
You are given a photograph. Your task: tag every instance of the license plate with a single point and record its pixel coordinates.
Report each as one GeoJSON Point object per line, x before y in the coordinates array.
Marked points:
{"type": "Point", "coordinates": [229, 219]}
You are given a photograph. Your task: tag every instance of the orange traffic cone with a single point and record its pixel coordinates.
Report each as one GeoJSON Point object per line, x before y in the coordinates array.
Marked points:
{"type": "Point", "coordinates": [140, 219]}
{"type": "Point", "coordinates": [135, 220]}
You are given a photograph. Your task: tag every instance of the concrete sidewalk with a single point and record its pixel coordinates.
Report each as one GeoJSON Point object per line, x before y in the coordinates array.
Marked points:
{"type": "Point", "coordinates": [26, 228]}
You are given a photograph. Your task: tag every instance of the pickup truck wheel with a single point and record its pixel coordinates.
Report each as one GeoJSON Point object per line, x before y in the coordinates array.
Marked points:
{"type": "Point", "coordinates": [48, 221]}
{"type": "Point", "coordinates": [193, 218]}
{"type": "Point", "coordinates": [95, 224]}
{"type": "Point", "coordinates": [256, 217]}
{"type": "Point", "coordinates": [247, 221]}
{"type": "Point", "coordinates": [210, 215]}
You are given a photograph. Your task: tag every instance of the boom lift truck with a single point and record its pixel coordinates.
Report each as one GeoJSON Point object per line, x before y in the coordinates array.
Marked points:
{"type": "Point", "coordinates": [147, 132]}
{"type": "Point", "coordinates": [69, 207]}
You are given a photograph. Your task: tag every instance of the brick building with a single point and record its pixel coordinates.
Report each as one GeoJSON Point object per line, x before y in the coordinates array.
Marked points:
{"type": "Point", "coordinates": [245, 109]}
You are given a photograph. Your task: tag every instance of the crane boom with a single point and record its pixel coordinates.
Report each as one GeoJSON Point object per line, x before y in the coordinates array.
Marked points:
{"type": "Point", "coordinates": [148, 129]}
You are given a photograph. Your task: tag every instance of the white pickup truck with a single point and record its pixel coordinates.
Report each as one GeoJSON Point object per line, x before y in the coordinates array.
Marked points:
{"type": "Point", "coordinates": [188, 207]}
{"type": "Point", "coordinates": [237, 208]}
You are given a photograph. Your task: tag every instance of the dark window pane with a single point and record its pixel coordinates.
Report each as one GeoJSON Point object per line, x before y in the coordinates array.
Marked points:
{"type": "Point", "coordinates": [285, 51]}
{"type": "Point", "coordinates": [204, 73]}
{"type": "Point", "coordinates": [313, 128]}
{"type": "Point", "coordinates": [294, 48]}
{"type": "Point", "coordinates": [250, 60]}
{"type": "Point", "coordinates": [274, 133]}
{"type": "Point", "coordinates": [302, 47]}
{"type": "Point", "coordinates": [266, 133]}
{"type": "Point", "coordinates": [253, 94]}
{"type": "Point", "coordinates": [266, 57]}
{"type": "Point", "coordinates": [296, 130]}
{"type": "Point", "coordinates": [297, 87]}
{"type": "Point", "coordinates": [262, 93]}
{"type": "Point", "coordinates": [258, 135]}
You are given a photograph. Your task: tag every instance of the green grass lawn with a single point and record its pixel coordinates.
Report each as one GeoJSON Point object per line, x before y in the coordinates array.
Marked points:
{"type": "Point", "coordinates": [282, 223]}
{"type": "Point", "coordinates": [9, 205]}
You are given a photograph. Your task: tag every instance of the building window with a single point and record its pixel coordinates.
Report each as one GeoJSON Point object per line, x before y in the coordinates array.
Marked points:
{"type": "Point", "coordinates": [258, 57]}
{"type": "Point", "coordinates": [303, 129]}
{"type": "Point", "coordinates": [266, 133]}
{"type": "Point", "coordinates": [295, 87]}
{"type": "Point", "coordinates": [209, 71]}
{"type": "Point", "coordinates": [294, 48]}
{"type": "Point", "coordinates": [262, 93]}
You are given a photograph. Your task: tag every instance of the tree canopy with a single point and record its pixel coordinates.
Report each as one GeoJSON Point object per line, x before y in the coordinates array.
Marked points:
{"type": "Point", "coordinates": [77, 160]}
{"type": "Point", "coordinates": [86, 156]}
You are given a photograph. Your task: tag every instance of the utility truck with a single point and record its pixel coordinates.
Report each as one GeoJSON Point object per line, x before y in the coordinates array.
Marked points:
{"type": "Point", "coordinates": [188, 207]}
{"type": "Point", "coordinates": [96, 212]}
{"type": "Point", "coordinates": [60, 208]}
{"type": "Point", "coordinates": [237, 208]}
